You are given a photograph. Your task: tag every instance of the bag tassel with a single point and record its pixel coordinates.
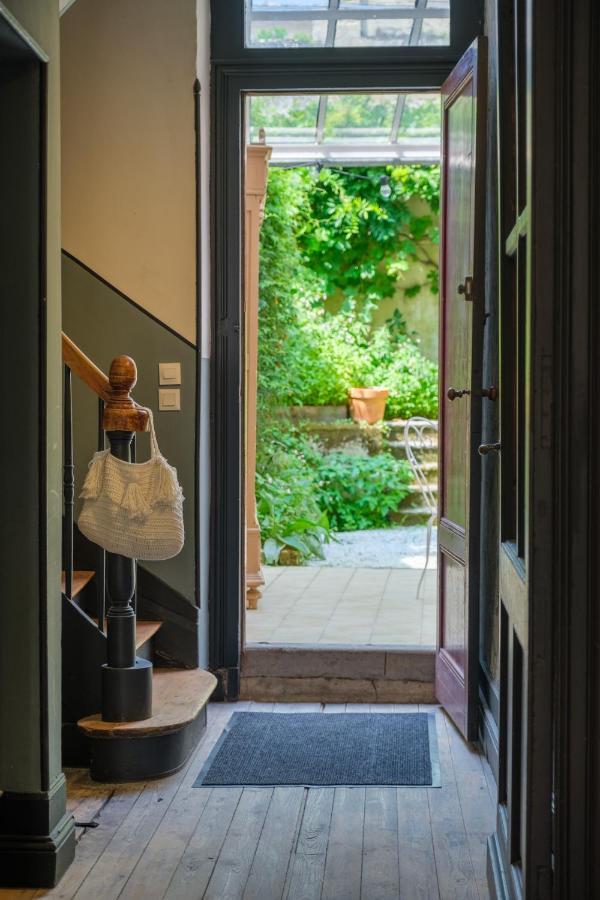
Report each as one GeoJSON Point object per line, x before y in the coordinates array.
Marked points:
{"type": "Point", "coordinates": [93, 479]}
{"type": "Point", "coordinates": [167, 490]}
{"type": "Point", "coordinates": [135, 503]}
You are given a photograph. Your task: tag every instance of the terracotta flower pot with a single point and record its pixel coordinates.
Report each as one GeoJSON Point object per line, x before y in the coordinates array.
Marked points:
{"type": "Point", "coordinates": [367, 404]}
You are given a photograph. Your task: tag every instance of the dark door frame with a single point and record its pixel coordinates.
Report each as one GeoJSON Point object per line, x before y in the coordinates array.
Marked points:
{"type": "Point", "coordinates": [237, 71]}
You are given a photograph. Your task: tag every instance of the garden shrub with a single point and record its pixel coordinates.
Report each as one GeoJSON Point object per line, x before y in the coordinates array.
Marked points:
{"type": "Point", "coordinates": [359, 492]}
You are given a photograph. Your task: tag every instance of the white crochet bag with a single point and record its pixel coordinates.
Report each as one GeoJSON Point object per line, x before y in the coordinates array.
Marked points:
{"type": "Point", "coordinates": [134, 509]}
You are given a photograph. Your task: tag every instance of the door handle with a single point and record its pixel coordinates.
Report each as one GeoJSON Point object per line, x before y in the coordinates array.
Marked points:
{"type": "Point", "coordinates": [466, 288]}
{"type": "Point", "coordinates": [453, 394]}
{"type": "Point", "coordinates": [491, 393]}
{"type": "Point", "coordinates": [484, 449]}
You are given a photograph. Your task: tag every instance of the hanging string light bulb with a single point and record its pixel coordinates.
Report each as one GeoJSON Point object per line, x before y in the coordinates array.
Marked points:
{"type": "Point", "coordinates": [385, 188]}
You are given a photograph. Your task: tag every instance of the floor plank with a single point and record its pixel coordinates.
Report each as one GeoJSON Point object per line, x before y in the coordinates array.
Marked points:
{"type": "Point", "coordinates": [152, 874]}
{"type": "Point", "coordinates": [305, 878]}
{"type": "Point", "coordinates": [418, 875]}
{"type": "Point", "coordinates": [231, 872]}
{"type": "Point", "coordinates": [455, 873]}
{"type": "Point", "coordinates": [475, 802]}
{"type": "Point", "coordinates": [195, 868]}
{"type": "Point", "coordinates": [271, 861]}
{"type": "Point", "coordinates": [343, 866]}
{"type": "Point", "coordinates": [380, 867]}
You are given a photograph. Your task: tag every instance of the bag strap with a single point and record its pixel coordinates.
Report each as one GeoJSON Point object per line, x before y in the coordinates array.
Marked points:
{"type": "Point", "coordinates": [154, 448]}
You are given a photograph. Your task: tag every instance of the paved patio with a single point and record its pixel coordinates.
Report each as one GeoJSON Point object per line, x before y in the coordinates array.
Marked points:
{"type": "Point", "coordinates": [344, 605]}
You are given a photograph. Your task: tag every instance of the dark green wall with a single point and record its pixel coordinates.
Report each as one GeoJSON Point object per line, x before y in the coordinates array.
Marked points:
{"type": "Point", "coordinates": [30, 451]}
{"type": "Point", "coordinates": [104, 325]}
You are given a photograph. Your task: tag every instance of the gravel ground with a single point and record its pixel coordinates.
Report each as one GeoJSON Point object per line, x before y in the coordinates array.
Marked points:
{"type": "Point", "coordinates": [381, 548]}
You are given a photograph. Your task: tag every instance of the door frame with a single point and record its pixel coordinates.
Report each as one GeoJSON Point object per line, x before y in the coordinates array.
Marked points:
{"type": "Point", "coordinates": [561, 706]}
{"type": "Point", "coordinates": [237, 72]}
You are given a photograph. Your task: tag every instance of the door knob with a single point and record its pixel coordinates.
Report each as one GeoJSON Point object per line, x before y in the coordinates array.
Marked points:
{"type": "Point", "coordinates": [466, 288]}
{"type": "Point", "coordinates": [484, 449]}
{"type": "Point", "coordinates": [453, 394]}
{"type": "Point", "coordinates": [491, 393]}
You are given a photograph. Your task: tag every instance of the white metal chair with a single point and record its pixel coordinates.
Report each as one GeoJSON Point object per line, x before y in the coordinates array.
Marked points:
{"type": "Point", "coordinates": [420, 435]}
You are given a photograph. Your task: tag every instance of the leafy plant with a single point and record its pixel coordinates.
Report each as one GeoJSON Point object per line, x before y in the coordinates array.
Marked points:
{"type": "Point", "coordinates": [361, 244]}
{"type": "Point", "coordinates": [287, 495]}
{"type": "Point", "coordinates": [360, 492]}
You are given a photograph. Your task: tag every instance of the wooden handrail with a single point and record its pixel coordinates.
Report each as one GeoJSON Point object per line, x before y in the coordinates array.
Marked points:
{"type": "Point", "coordinates": [121, 412]}
{"type": "Point", "coordinates": [84, 368]}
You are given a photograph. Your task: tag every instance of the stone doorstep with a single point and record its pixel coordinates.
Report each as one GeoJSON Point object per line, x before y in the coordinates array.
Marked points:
{"type": "Point", "coordinates": [340, 674]}
{"type": "Point", "coordinates": [268, 689]}
{"type": "Point", "coordinates": [409, 664]}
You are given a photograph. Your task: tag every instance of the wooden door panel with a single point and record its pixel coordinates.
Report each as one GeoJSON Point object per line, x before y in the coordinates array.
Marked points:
{"type": "Point", "coordinates": [461, 323]}
{"type": "Point", "coordinates": [457, 328]}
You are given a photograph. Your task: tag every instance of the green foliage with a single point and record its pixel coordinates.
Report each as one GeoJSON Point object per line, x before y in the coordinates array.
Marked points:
{"type": "Point", "coordinates": [360, 243]}
{"type": "Point", "coordinates": [335, 235]}
{"type": "Point", "coordinates": [287, 495]}
{"type": "Point", "coordinates": [360, 492]}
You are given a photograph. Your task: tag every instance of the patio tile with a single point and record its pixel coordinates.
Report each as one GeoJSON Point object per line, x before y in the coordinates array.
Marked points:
{"type": "Point", "coordinates": [344, 605]}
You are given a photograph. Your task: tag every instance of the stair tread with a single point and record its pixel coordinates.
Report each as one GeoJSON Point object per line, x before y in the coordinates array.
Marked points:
{"type": "Point", "coordinates": [144, 630]}
{"type": "Point", "coordinates": [80, 579]}
{"type": "Point", "coordinates": [178, 695]}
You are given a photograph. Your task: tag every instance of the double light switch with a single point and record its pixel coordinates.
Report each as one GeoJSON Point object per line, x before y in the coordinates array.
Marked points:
{"type": "Point", "coordinates": [169, 374]}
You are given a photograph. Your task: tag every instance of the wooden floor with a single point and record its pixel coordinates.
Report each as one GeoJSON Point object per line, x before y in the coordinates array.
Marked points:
{"type": "Point", "coordinates": [167, 839]}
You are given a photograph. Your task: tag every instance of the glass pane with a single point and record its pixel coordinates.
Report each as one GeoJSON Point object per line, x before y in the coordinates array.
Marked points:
{"type": "Point", "coordinates": [286, 120]}
{"type": "Point", "coordinates": [435, 32]}
{"type": "Point", "coordinates": [359, 117]}
{"type": "Point", "coordinates": [373, 32]}
{"type": "Point", "coordinates": [355, 23]}
{"type": "Point", "coordinates": [394, 4]}
{"type": "Point", "coordinates": [293, 5]}
{"type": "Point", "coordinates": [285, 33]}
{"type": "Point", "coordinates": [421, 116]}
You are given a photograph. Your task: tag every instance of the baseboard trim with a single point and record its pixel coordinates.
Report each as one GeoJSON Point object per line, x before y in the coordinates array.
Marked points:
{"type": "Point", "coordinates": [489, 736]}
{"type": "Point", "coordinates": [489, 718]}
{"type": "Point", "coordinates": [495, 871]}
{"type": "Point", "coordinates": [37, 838]}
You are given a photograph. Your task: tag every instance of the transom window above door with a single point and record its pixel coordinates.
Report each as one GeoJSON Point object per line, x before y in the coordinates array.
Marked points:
{"type": "Point", "coordinates": [347, 23]}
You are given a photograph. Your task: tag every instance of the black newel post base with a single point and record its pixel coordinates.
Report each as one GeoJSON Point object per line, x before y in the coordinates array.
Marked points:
{"type": "Point", "coordinates": [126, 679]}
{"type": "Point", "coordinates": [37, 838]}
{"type": "Point", "coordinates": [127, 693]}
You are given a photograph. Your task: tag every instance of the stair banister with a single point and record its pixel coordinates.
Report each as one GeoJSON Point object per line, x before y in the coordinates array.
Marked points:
{"type": "Point", "coordinates": [126, 680]}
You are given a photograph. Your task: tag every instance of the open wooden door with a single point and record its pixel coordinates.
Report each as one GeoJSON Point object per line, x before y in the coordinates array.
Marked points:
{"type": "Point", "coordinates": [461, 330]}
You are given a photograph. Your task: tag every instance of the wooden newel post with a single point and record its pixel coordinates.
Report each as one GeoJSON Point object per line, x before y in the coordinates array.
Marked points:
{"type": "Point", "coordinates": [126, 680]}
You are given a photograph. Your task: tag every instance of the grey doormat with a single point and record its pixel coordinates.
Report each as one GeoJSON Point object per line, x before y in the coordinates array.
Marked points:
{"type": "Point", "coordinates": [270, 749]}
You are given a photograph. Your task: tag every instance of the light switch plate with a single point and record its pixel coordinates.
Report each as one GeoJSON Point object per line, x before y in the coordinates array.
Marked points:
{"type": "Point", "coordinates": [169, 373]}
{"type": "Point", "coordinates": [169, 399]}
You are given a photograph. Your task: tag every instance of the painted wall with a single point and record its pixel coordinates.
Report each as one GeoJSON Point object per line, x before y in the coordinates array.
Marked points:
{"type": "Point", "coordinates": [29, 761]}
{"type": "Point", "coordinates": [89, 305]}
{"type": "Point", "coordinates": [129, 196]}
{"type": "Point", "coordinates": [128, 176]}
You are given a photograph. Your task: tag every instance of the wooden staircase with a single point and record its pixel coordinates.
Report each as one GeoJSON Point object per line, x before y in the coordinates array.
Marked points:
{"type": "Point", "coordinates": [170, 702]}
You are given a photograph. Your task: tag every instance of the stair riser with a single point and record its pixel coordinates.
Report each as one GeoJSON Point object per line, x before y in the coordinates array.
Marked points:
{"type": "Point", "coordinates": [134, 759]}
